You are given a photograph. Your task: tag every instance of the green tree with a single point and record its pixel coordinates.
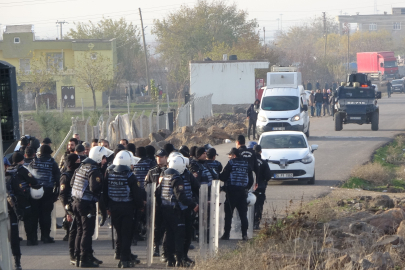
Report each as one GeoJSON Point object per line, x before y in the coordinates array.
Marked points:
{"type": "Point", "coordinates": [128, 40]}
{"type": "Point", "coordinates": [191, 33]}
{"type": "Point", "coordinates": [94, 72]}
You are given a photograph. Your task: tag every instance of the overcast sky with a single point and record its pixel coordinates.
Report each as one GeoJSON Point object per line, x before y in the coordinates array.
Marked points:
{"type": "Point", "coordinates": [43, 14]}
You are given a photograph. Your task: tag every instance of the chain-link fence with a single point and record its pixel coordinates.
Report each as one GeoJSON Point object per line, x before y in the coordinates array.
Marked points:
{"type": "Point", "coordinates": [196, 109]}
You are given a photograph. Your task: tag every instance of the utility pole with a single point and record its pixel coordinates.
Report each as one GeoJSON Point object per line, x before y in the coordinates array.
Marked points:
{"type": "Point", "coordinates": [281, 22]}
{"type": "Point", "coordinates": [325, 32]}
{"type": "Point", "coordinates": [347, 29]}
{"type": "Point", "coordinates": [264, 39]}
{"type": "Point", "coordinates": [146, 53]}
{"type": "Point", "coordinates": [60, 27]}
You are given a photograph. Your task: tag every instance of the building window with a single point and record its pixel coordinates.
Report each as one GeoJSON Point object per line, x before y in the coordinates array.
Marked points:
{"type": "Point", "coordinates": [25, 65]}
{"type": "Point", "coordinates": [55, 60]}
{"type": "Point", "coordinates": [402, 11]}
{"type": "Point", "coordinates": [372, 26]}
{"type": "Point", "coordinates": [397, 26]}
{"type": "Point", "coordinates": [16, 40]}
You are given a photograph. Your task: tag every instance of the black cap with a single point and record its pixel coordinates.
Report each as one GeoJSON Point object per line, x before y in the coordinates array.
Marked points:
{"type": "Point", "coordinates": [184, 151]}
{"type": "Point", "coordinates": [47, 141]}
{"type": "Point", "coordinates": [234, 151]}
{"type": "Point", "coordinates": [140, 152]}
{"type": "Point", "coordinates": [71, 160]}
{"type": "Point", "coordinates": [257, 148]}
{"type": "Point", "coordinates": [211, 153]}
{"type": "Point", "coordinates": [45, 150]}
{"type": "Point", "coordinates": [199, 152]}
{"type": "Point", "coordinates": [161, 153]}
{"type": "Point", "coordinates": [169, 148]}
{"type": "Point", "coordinates": [17, 157]}
{"type": "Point", "coordinates": [79, 148]}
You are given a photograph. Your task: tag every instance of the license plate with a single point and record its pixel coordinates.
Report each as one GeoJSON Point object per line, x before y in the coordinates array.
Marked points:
{"type": "Point", "coordinates": [355, 118]}
{"type": "Point", "coordinates": [279, 128]}
{"type": "Point", "coordinates": [283, 175]}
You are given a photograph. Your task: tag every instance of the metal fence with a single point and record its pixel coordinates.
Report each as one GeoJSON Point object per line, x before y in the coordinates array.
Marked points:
{"type": "Point", "coordinates": [196, 109]}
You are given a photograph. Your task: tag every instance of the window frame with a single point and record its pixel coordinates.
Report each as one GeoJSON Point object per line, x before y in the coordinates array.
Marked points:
{"type": "Point", "coordinates": [19, 40]}
{"type": "Point", "coordinates": [372, 27]}
{"type": "Point", "coordinates": [396, 24]}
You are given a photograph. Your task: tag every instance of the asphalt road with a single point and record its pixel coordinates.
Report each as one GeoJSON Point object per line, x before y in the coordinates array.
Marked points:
{"type": "Point", "coordinates": [338, 153]}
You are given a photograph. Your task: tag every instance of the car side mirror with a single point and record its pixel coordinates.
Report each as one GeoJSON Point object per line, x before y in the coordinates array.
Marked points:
{"type": "Point", "coordinates": [314, 147]}
{"type": "Point", "coordinates": [305, 107]}
{"type": "Point", "coordinates": [378, 95]}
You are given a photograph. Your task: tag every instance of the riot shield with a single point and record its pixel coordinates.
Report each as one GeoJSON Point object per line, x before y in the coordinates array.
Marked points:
{"type": "Point", "coordinates": [53, 224]}
{"type": "Point", "coordinates": [221, 213]}
{"type": "Point", "coordinates": [95, 235]}
{"type": "Point", "coordinates": [21, 228]}
{"type": "Point", "coordinates": [236, 230]}
{"type": "Point", "coordinates": [214, 217]}
{"type": "Point", "coordinates": [203, 220]}
{"type": "Point", "coordinates": [150, 222]}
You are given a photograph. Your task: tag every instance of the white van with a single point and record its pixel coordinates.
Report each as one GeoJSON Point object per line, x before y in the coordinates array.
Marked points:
{"type": "Point", "coordinates": [284, 105]}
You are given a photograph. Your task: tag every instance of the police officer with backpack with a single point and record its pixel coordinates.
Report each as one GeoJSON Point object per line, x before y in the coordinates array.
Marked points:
{"type": "Point", "coordinates": [263, 176]}
{"type": "Point", "coordinates": [200, 170]}
{"type": "Point", "coordinates": [121, 194]}
{"type": "Point", "coordinates": [18, 183]}
{"type": "Point", "coordinates": [238, 179]}
{"type": "Point", "coordinates": [174, 202]}
{"type": "Point", "coordinates": [86, 190]}
{"type": "Point", "coordinates": [46, 171]}
{"type": "Point", "coordinates": [65, 196]}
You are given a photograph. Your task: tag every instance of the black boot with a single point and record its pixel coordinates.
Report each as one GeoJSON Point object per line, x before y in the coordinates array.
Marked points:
{"type": "Point", "coordinates": [72, 258]}
{"type": "Point", "coordinates": [126, 264]}
{"type": "Point", "coordinates": [48, 240]}
{"type": "Point", "coordinates": [32, 242]}
{"type": "Point", "coordinates": [163, 258]}
{"type": "Point", "coordinates": [156, 252]}
{"type": "Point", "coordinates": [95, 260]}
{"type": "Point", "coordinates": [66, 237]}
{"type": "Point", "coordinates": [17, 262]}
{"type": "Point", "coordinates": [86, 261]}
{"type": "Point", "coordinates": [225, 236]}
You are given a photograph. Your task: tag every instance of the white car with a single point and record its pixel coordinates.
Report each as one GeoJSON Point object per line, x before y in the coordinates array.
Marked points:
{"type": "Point", "coordinates": [289, 155]}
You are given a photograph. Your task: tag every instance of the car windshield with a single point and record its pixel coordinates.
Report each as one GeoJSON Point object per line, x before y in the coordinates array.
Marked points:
{"type": "Point", "coordinates": [283, 141]}
{"type": "Point", "coordinates": [280, 103]}
{"type": "Point", "coordinates": [390, 64]}
{"type": "Point", "coordinates": [397, 82]}
{"type": "Point", "coordinates": [356, 93]}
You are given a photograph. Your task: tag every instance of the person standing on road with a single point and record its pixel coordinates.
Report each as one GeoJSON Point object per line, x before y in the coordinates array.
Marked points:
{"type": "Point", "coordinates": [389, 86]}
{"type": "Point", "coordinates": [312, 102]}
{"type": "Point", "coordinates": [71, 148]}
{"type": "Point", "coordinates": [86, 186]}
{"type": "Point", "coordinates": [262, 178]}
{"type": "Point", "coordinates": [246, 153]}
{"type": "Point", "coordinates": [200, 170]}
{"type": "Point", "coordinates": [309, 86]}
{"type": "Point", "coordinates": [212, 162]}
{"type": "Point", "coordinates": [121, 194]}
{"type": "Point", "coordinates": [317, 85]}
{"type": "Point", "coordinates": [318, 102]}
{"type": "Point", "coordinates": [46, 170]}
{"type": "Point", "coordinates": [18, 182]}
{"type": "Point", "coordinates": [29, 156]}
{"type": "Point", "coordinates": [65, 196]}
{"type": "Point", "coordinates": [325, 103]}
{"type": "Point", "coordinates": [238, 178]}
{"type": "Point", "coordinates": [153, 177]}
{"type": "Point", "coordinates": [251, 114]}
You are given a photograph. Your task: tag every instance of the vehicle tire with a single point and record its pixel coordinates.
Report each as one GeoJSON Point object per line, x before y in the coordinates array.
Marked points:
{"type": "Point", "coordinates": [338, 122]}
{"type": "Point", "coordinates": [311, 181]}
{"type": "Point", "coordinates": [374, 121]}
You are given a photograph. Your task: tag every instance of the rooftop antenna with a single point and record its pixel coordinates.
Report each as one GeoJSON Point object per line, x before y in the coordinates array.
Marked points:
{"type": "Point", "coordinates": [60, 24]}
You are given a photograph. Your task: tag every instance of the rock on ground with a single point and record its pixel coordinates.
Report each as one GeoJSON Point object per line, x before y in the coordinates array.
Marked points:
{"type": "Point", "coordinates": [388, 221]}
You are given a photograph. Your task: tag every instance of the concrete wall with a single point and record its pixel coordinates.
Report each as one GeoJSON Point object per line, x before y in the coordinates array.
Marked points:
{"type": "Point", "coordinates": [230, 82]}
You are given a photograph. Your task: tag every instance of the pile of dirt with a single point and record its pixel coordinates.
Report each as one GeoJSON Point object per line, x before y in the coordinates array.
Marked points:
{"type": "Point", "coordinates": [214, 130]}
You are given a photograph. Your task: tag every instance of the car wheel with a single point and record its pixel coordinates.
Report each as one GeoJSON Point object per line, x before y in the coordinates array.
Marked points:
{"type": "Point", "coordinates": [338, 122]}
{"type": "Point", "coordinates": [374, 121]}
{"type": "Point", "coordinates": [311, 181]}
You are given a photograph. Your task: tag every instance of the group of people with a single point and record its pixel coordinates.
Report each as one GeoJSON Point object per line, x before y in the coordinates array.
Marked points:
{"type": "Point", "coordinates": [116, 179]}
{"type": "Point", "coordinates": [321, 102]}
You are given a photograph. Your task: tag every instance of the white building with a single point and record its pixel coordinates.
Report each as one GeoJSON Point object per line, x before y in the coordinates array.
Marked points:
{"type": "Point", "coordinates": [230, 82]}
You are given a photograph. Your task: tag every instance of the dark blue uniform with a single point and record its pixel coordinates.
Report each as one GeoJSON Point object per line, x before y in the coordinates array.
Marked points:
{"type": "Point", "coordinates": [263, 176]}
{"type": "Point", "coordinates": [238, 179]}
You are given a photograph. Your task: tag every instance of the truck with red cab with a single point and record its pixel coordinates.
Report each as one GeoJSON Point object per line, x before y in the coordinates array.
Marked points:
{"type": "Point", "coordinates": [378, 65]}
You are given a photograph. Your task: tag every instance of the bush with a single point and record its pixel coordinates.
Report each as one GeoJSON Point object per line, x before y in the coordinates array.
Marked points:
{"type": "Point", "coordinates": [374, 173]}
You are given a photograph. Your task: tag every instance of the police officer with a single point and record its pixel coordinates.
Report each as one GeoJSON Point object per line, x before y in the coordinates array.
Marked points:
{"type": "Point", "coordinates": [45, 169]}
{"type": "Point", "coordinates": [212, 162]}
{"type": "Point", "coordinates": [86, 189]}
{"type": "Point", "coordinates": [200, 170]}
{"type": "Point", "coordinates": [238, 179]}
{"type": "Point", "coordinates": [191, 189]}
{"type": "Point", "coordinates": [65, 196]}
{"type": "Point", "coordinates": [153, 177]}
{"type": "Point", "coordinates": [121, 192]}
{"type": "Point", "coordinates": [18, 182]}
{"type": "Point", "coordinates": [174, 202]}
{"type": "Point", "coordinates": [246, 153]}
{"type": "Point", "coordinates": [150, 153]}
{"type": "Point", "coordinates": [29, 155]}
{"type": "Point", "coordinates": [263, 176]}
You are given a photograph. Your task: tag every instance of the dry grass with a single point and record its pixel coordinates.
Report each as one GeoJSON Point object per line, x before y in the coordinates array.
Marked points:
{"type": "Point", "coordinates": [374, 173]}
